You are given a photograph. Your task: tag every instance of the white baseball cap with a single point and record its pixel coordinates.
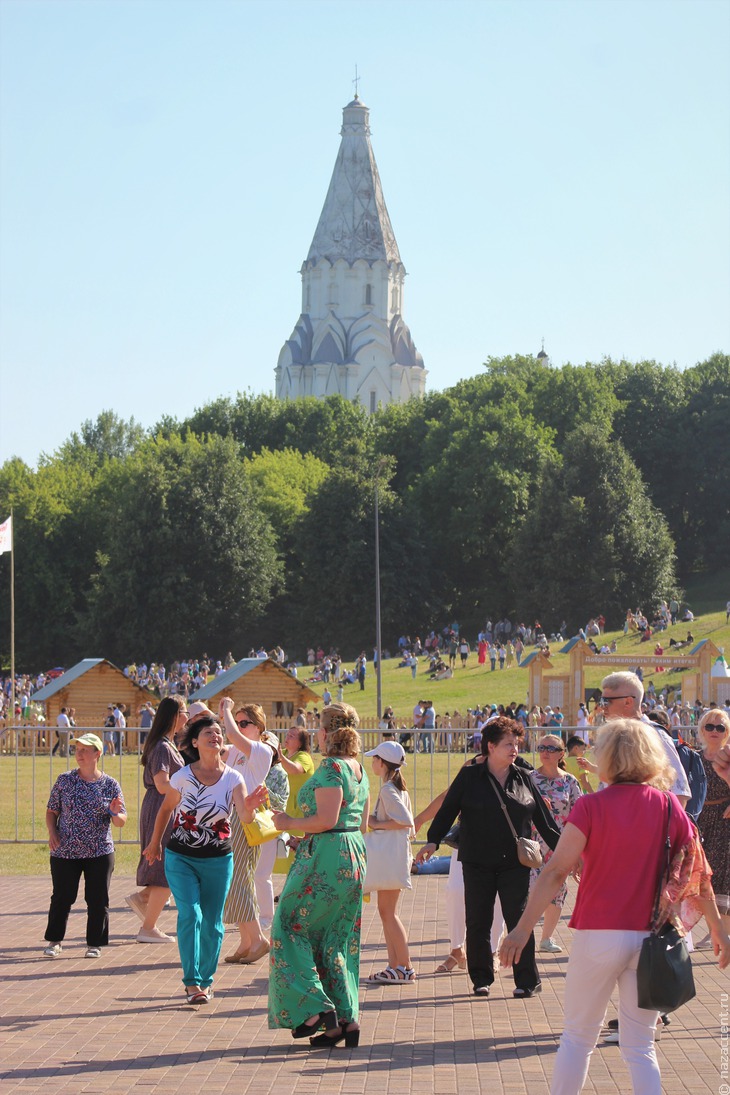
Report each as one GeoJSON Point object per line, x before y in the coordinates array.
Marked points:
{"type": "Point", "coordinates": [389, 751]}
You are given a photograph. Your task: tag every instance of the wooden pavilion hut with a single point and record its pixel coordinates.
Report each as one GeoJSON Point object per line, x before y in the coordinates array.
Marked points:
{"type": "Point", "coordinates": [90, 687]}
{"type": "Point", "coordinates": [262, 681]}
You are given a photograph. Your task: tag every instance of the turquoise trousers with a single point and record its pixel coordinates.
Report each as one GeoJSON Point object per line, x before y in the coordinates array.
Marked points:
{"type": "Point", "coordinates": [200, 887]}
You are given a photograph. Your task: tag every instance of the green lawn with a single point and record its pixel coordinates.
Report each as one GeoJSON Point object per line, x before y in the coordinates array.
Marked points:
{"type": "Point", "coordinates": [478, 685]}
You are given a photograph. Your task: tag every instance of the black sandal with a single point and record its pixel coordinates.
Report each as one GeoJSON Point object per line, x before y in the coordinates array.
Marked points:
{"type": "Point", "coordinates": [333, 1039]}
{"type": "Point", "coordinates": [306, 1030]}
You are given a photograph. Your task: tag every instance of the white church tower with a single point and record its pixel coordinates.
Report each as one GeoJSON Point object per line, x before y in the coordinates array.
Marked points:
{"type": "Point", "coordinates": [351, 339]}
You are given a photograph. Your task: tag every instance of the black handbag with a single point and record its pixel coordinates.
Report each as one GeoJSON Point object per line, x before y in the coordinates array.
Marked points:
{"type": "Point", "coordinates": [664, 974]}
{"type": "Point", "coordinates": [452, 837]}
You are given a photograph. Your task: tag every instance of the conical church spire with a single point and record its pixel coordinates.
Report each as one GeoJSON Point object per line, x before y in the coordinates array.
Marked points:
{"type": "Point", "coordinates": [351, 338]}
{"type": "Point", "coordinates": [354, 223]}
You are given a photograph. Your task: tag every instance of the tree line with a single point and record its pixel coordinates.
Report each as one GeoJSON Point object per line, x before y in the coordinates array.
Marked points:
{"type": "Point", "coordinates": [528, 491]}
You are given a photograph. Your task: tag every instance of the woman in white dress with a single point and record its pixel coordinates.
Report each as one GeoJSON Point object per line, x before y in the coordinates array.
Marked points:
{"type": "Point", "coordinates": [393, 810]}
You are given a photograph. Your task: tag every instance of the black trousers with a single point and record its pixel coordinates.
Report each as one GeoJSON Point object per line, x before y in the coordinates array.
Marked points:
{"type": "Point", "coordinates": [66, 875]}
{"type": "Point", "coordinates": [481, 886]}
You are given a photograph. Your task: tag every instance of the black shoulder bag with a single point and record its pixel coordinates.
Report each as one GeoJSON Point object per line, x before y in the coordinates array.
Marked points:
{"type": "Point", "coordinates": [664, 975]}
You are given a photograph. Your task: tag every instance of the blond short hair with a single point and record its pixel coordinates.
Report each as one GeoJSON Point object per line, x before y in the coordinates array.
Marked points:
{"type": "Point", "coordinates": [552, 739]}
{"type": "Point", "coordinates": [715, 714]}
{"type": "Point", "coordinates": [629, 751]}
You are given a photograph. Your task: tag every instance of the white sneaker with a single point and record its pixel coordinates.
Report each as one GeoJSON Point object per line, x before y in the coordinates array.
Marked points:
{"type": "Point", "coordinates": [137, 905]}
{"type": "Point", "coordinates": [52, 950]}
{"type": "Point", "coordinates": [93, 952]}
{"type": "Point", "coordinates": [153, 935]}
{"type": "Point", "coordinates": [549, 946]}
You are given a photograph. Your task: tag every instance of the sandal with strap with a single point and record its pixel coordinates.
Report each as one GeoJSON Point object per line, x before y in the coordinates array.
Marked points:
{"type": "Point", "coordinates": [450, 963]}
{"type": "Point", "coordinates": [391, 976]}
{"type": "Point", "coordinates": [326, 1019]}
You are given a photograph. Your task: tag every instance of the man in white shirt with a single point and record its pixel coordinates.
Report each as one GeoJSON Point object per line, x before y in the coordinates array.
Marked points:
{"type": "Point", "coordinates": [622, 694]}
{"type": "Point", "coordinates": [63, 722]}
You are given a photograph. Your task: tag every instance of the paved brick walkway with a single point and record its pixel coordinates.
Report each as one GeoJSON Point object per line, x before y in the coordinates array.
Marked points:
{"type": "Point", "coordinates": [118, 1025]}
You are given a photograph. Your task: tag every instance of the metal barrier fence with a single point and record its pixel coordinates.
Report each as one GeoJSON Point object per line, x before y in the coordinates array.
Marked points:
{"type": "Point", "coordinates": [29, 768]}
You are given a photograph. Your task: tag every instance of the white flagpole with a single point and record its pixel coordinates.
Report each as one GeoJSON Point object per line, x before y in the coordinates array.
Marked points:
{"type": "Point", "coordinates": [12, 617]}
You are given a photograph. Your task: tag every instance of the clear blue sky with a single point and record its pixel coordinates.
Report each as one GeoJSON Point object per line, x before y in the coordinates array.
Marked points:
{"type": "Point", "coordinates": [551, 168]}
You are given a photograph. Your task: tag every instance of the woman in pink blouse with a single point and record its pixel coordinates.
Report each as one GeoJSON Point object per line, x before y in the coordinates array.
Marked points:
{"type": "Point", "coordinates": [618, 833]}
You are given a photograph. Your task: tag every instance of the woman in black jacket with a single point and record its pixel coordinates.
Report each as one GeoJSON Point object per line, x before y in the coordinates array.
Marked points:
{"type": "Point", "coordinates": [488, 851]}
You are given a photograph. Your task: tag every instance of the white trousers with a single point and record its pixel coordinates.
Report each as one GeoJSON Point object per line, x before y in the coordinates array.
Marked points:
{"type": "Point", "coordinates": [264, 885]}
{"type": "Point", "coordinates": [600, 960]}
{"type": "Point", "coordinates": [456, 912]}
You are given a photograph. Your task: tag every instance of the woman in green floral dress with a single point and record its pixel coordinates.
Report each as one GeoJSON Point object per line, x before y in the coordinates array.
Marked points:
{"type": "Point", "coordinates": [315, 937]}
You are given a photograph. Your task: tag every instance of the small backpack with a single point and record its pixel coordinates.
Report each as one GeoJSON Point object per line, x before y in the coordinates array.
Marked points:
{"type": "Point", "coordinates": [696, 777]}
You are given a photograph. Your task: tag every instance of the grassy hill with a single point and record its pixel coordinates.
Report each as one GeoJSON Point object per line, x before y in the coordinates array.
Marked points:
{"type": "Point", "coordinates": [478, 685]}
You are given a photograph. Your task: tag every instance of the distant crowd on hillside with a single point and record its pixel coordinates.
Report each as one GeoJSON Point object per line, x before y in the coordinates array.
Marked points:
{"type": "Point", "coordinates": [501, 644]}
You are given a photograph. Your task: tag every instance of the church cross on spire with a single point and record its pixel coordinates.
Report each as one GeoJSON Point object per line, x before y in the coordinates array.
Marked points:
{"type": "Point", "coordinates": [356, 81]}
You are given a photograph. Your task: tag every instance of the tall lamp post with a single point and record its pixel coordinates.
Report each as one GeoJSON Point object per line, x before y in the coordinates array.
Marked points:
{"type": "Point", "coordinates": [378, 645]}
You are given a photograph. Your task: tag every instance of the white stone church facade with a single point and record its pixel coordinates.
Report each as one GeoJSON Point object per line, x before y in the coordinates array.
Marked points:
{"type": "Point", "coordinates": [351, 339]}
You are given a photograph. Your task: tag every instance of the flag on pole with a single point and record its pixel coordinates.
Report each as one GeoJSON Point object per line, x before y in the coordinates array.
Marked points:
{"type": "Point", "coordinates": [6, 536]}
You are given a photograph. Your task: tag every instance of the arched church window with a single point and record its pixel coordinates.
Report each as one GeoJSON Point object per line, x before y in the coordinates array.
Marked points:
{"type": "Point", "coordinates": [368, 294]}
{"type": "Point", "coordinates": [373, 402]}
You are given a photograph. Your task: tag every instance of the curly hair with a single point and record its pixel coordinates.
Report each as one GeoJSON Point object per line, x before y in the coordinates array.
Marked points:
{"type": "Point", "coordinates": [498, 729]}
{"type": "Point", "coordinates": [340, 722]}
{"type": "Point", "coordinates": [629, 751]}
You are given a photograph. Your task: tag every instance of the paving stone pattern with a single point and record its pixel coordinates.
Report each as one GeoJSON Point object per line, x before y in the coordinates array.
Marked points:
{"type": "Point", "coordinates": [119, 1025]}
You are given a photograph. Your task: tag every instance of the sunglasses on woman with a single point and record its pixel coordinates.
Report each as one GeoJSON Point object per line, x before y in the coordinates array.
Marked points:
{"type": "Point", "coordinates": [715, 727]}
{"type": "Point", "coordinates": [549, 749]}
{"type": "Point", "coordinates": [244, 722]}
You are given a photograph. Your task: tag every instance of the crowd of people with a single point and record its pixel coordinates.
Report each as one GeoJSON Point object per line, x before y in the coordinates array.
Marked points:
{"type": "Point", "coordinates": [208, 777]}
{"type": "Point", "coordinates": [499, 645]}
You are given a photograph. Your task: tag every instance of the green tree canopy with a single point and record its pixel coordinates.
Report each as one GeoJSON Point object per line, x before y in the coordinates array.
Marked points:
{"type": "Point", "coordinates": [283, 482]}
{"type": "Point", "coordinates": [187, 559]}
{"type": "Point", "coordinates": [592, 541]}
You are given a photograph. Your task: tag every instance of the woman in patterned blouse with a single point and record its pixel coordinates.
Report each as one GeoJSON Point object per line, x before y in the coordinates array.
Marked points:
{"type": "Point", "coordinates": [82, 804]}
{"type": "Point", "coordinates": [561, 791]}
